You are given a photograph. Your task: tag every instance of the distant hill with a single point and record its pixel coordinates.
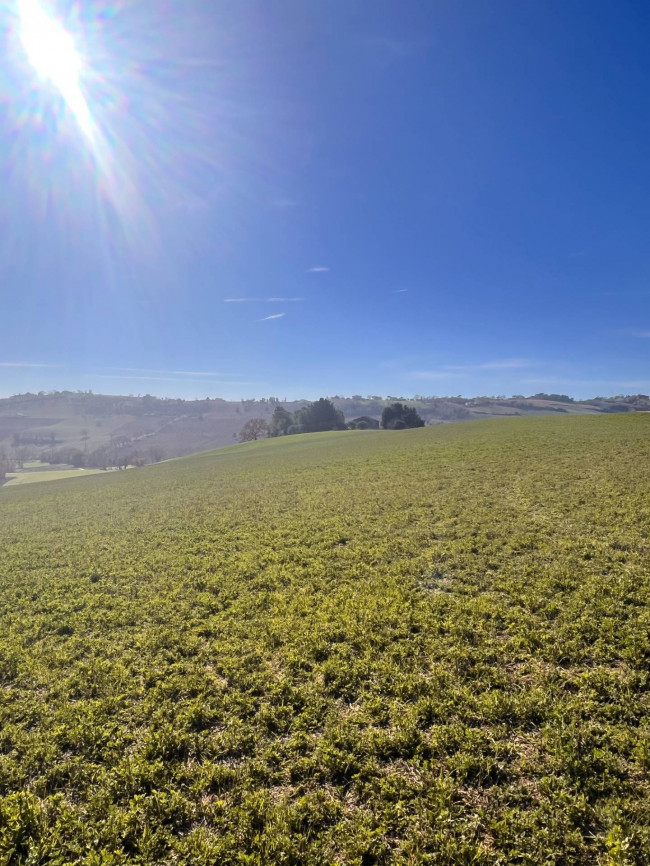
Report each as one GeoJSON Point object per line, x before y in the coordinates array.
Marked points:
{"type": "Point", "coordinates": [147, 429]}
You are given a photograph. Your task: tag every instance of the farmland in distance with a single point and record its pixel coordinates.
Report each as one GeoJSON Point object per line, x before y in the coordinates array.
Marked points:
{"type": "Point", "coordinates": [427, 646]}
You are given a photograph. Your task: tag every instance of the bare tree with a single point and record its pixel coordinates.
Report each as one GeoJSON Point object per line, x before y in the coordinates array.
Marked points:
{"type": "Point", "coordinates": [21, 455]}
{"type": "Point", "coordinates": [255, 428]}
{"type": "Point", "coordinates": [5, 466]}
{"type": "Point", "coordinates": [156, 454]}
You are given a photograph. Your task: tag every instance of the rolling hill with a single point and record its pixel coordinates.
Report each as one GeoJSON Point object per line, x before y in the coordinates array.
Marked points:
{"type": "Point", "coordinates": [427, 646]}
{"type": "Point", "coordinates": [148, 429]}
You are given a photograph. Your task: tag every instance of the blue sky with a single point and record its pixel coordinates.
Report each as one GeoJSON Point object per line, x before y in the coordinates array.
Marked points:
{"type": "Point", "coordinates": [328, 197]}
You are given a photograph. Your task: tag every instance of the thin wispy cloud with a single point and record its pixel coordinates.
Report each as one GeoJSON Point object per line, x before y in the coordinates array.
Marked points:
{"type": "Point", "coordinates": [643, 383]}
{"type": "Point", "coordinates": [274, 316]}
{"type": "Point", "coordinates": [455, 370]}
{"type": "Point", "coordinates": [546, 383]}
{"type": "Point", "coordinates": [623, 294]}
{"type": "Point", "coordinates": [433, 374]}
{"type": "Point", "coordinates": [19, 364]}
{"type": "Point", "coordinates": [399, 291]}
{"type": "Point", "coordinates": [386, 49]}
{"type": "Point", "coordinates": [203, 381]}
{"type": "Point", "coordinates": [507, 364]}
{"type": "Point", "coordinates": [284, 203]}
{"type": "Point", "coordinates": [262, 300]}
{"type": "Point", "coordinates": [640, 334]}
{"type": "Point", "coordinates": [148, 370]}
{"type": "Point", "coordinates": [192, 204]}
{"type": "Point", "coordinates": [318, 270]}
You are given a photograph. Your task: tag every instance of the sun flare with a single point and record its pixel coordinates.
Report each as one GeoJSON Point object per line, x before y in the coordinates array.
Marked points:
{"type": "Point", "coordinates": [106, 101]}
{"type": "Point", "coordinates": [53, 55]}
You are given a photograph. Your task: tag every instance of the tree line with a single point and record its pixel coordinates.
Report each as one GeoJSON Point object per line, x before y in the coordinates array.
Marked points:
{"type": "Point", "coordinates": [321, 416]}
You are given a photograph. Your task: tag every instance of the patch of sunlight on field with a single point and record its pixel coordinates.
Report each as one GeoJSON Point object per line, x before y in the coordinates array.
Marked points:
{"type": "Point", "coordinates": [56, 475]}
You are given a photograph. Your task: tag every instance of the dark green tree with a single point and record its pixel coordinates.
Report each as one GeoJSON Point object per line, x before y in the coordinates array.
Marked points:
{"type": "Point", "coordinates": [319, 416]}
{"type": "Point", "coordinates": [280, 422]}
{"type": "Point", "coordinates": [398, 416]}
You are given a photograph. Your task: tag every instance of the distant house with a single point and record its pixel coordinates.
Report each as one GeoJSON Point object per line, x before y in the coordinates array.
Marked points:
{"type": "Point", "coordinates": [365, 422]}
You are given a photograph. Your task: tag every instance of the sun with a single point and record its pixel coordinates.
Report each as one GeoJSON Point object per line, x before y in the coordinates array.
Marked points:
{"type": "Point", "coordinates": [49, 47]}
{"type": "Point", "coordinates": [53, 55]}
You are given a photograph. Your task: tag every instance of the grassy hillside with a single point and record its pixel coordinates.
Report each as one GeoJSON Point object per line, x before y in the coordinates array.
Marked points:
{"type": "Point", "coordinates": [101, 428]}
{"type": "Point", "coordinates": [427, 646]}
{"type": "Point", "coordinates": [31, 476]}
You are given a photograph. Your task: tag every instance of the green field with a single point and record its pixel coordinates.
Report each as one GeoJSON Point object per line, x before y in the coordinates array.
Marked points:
{"type": "Point", "coordinates": [32, 476]}
{"type": "Point", "coordinates": [413, 647]}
